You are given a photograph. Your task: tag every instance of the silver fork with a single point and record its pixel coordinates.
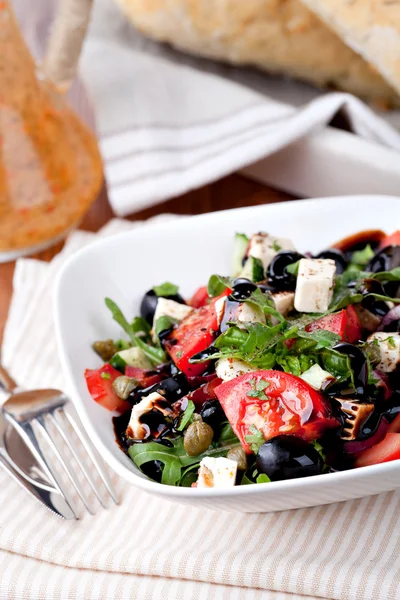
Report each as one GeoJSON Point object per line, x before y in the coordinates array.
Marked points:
{"type": "Point", "coordinates": [37, 409]}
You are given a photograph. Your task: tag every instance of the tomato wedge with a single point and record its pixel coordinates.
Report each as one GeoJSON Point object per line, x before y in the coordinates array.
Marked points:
{"type": "Point", "coordinates": [200, 298]}
{"type": "Point", "coordinates": [386, 450]}
{"type": "Point", "coordinates": [275, 403]}
{"type": "Point", "coordinates": [390, 240]}
{"type": "Point", "coordinates": [195, 333]}
{"type": "Point", "coordinates": [146, 377]}
{"type": "Point", "coordinates": [344, 323]}
{"type": "Point", "coordinates": [99, 383]}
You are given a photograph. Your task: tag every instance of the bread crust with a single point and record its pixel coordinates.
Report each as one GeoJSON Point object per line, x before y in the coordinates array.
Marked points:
{"type": "Point", "coordinates": [279, 36]}
{"type": "Point", "coordinates": [370, 27]}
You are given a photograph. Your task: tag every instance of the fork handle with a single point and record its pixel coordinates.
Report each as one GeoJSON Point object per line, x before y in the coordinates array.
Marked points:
{"type": "Point", "coordinates": [7, 383]}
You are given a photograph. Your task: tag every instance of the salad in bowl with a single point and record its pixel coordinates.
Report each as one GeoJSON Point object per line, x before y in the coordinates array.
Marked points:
{"type": "Point", "coordinates": [285, 368]}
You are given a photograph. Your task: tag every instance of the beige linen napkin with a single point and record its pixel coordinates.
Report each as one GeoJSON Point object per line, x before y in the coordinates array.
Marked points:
{"type": "Point", "coordinates": [153, 549]}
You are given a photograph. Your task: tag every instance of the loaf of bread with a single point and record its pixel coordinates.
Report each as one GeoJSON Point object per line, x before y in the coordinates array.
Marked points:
{"type": "Point", "coordinates": [370, 27]}
{"type": "Point", "coordinates": [279, 36]}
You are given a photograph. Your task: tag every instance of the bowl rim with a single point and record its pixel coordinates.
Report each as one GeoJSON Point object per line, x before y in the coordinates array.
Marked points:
{"type": "Point", "coordinates": [141, 481]}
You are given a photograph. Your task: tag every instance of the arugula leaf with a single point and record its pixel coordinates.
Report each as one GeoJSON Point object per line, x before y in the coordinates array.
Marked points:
{"type": "Point", "coordinates": [362, 257]}
{"type": "Point", "coordinates": [319, 448]}
{"type": "Point", "coordinates": [293, 269]}
{"type": "Point", "coordinates": [156, 355]}
{"type": "Point", "coordinates": [336, 364]}
{"type": "Point", "coordinates": [140, 326]}
{"type": "Point", "coordinates": [218, 284]}
{"type": "Point", "coordinates": [393, 275]}
{"type": "Point", "coordinates": [263, 478]}
{"type": "Point", "coordinates": [255, 439]}
{"type": "Point", "coordinates": [166, 289]}
{"type": "Point", "coordinates": [227, 435]}
{"type": "Point", "coordinates": [174, 459]}
{"type": "Point", "coordinates": [186, 416]}
{"type": "Point", "coordinates": [266, 303]}
{"type": "Point", "coordinates": [163, 323]}
{"type": "Point", "coordinates": [324, 338]}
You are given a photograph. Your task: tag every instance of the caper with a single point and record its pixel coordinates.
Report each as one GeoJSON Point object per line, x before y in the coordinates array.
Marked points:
{"type": "Point", "coordinates": [123, 386]}
{"type": "Point", "coordinates": [105, 349]}
{"type": "Point", "coordinates": [198, 437]}
{"type": "Point", "coordinates": [239, 456]}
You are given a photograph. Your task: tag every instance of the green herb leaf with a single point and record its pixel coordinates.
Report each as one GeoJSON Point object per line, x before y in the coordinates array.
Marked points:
{"type": "Point", "coordinates": [140, 326]}
{"type": "Point", "coordinates": [105, 375]}
{"type": "Point", "coordinates": [324, 338]}
{"type": "Point", "coordinates": [227, 435]}
{"type": "Point", "coordinates": [156, 355]}
{"type": "Point", "coordinates": [319, 448]}
{"type": "Point", "coordinates": [293, 269]}
{"type": "Point", "coordinates": [218, 284]}
{"type": "Point", "coordinates": [263, 478]}
{"type": "Point", "coordinates": [175, 459]}
{"type": "Point", "coordinates": [257, 389]}
{"type": "Point", "coordinates": [362, 257]}
{"type": "Point", "coordinates": [276, 246]}
{"type": "Point", "coordinates": [266, 303]}
{"type": "Point", "coordinates": [186, 416]}
{"type": "Point", "coordinates": [255, 439]}
{"type": "Point", "coordinates": [166, 289]}
{"type": "Point", "coordinates": [163, 323]}
{"type": "Point", "coordinates": [393, 275]}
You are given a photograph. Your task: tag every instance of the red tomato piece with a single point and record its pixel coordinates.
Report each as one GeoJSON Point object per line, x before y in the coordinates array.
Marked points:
{"type": "Point", "coordinates": [195, 333]}
{"type": "Point", "coordinates": [146, 377]}
{"type": "Point", "coordinates": [205, 392]}
{"type": "Point", "coordinates": [390, 240]}
{"type": "Point", "coordinates": [344, 323]}
{"type": "Point", "coordinates": [200, 298]}
{"type": "Point", "coordinates": [99, 383]}
{"type": "Point", "coordinates": [286, 405]}
{"type": "Point", "coordinates": [386, 450]}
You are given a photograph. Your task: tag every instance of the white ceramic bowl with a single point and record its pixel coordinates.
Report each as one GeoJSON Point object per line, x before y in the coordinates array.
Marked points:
{"type": "Point", "coordinates": [187, 251]}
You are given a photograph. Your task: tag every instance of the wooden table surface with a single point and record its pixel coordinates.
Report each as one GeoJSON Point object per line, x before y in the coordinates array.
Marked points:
{"type": "Point", "coordinates": [230, 192]}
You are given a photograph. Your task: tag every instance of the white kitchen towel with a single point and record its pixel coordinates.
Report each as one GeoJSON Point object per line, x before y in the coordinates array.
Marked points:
{"type": "Point", "coordinates": [166, 125]}
{"type": "Point", "coordinates": [151, 549]}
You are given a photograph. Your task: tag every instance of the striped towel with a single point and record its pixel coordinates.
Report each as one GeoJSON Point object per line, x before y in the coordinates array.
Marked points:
{"type": "Point", "coordinates": [151, 549]}
{"type": "Point", "coordinates": [166, 125]}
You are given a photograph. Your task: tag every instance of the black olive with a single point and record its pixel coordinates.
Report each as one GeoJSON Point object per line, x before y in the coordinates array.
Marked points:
{"type": "Point", "coordinates": [385, 260]}
{"type": "Point", "coordinates": [153, 469]}
{"type": "Point", "coordinates": [265, 287]}
{"type": "Point", "coordinates": [242, 289]}
{"type": "Point", "coordinates": [204, 354]}
{"type": "Point", "coordinates": [358, 363]}
{"type": "Point", "coordinates": [149, 304]}
{"type": "Point", "coordinates": [376, 307]}
{"type": "Point", "coordinates": [277, 273]}
{"type": "Point", "coordinates": [337, 256]}
{"type": "Point", "coordinates": [173, 388]}
{"type": "Point", "coordinates": [288, 457]}
{"type": "Point", "coordinates": [213, 414]}
{"type": "Point", "coordinates": [162, 335]}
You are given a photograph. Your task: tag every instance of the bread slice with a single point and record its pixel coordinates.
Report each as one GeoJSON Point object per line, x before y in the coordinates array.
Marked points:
{"type": "Point", "coordinates": [279, 36]}
{"type": "Point", "coordinates": [370, 27]}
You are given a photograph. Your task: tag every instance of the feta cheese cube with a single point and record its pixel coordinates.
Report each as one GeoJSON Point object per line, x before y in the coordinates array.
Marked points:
{"type": "Point", "coordinates": [169, 308]}
{"type": "Point", "coordinates": [316, 377]}
{"type": "Point", "coordinates": [217, 472]}
{"type": "Point", "coordinates": [264, 247]}
{"type": "Point", "coordinates": [314, 285]}
{"type": "Point", "coordinates": [229, 368]}
{"type": "Point", "coordinates": [249, 313]}
{"type": "Point", "coordinates": [389, 349]}
{"type": "Point", "coordinates": [284, 302]}
{"type": "Point", "coordinates": [154, 401]}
